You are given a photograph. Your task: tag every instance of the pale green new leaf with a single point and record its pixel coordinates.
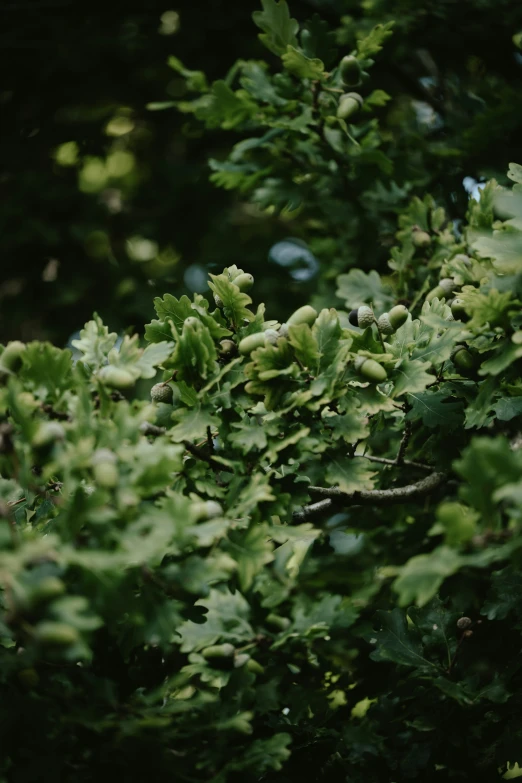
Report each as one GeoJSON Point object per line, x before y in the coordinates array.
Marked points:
{"type": "Point", "coordinates": [421, 577]}
{"type": "Point", "coordinates": [95, 343]}
{"type": "Point", "coordinates": [302, 66]}
{"type": "Point", "coordinates": [279, 29]}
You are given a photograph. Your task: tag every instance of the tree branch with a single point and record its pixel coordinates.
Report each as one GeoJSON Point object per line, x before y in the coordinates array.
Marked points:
{"type": "Point", "coordinates": [372, 497]}
{"type": "Point", "coordinates": [313, 510]}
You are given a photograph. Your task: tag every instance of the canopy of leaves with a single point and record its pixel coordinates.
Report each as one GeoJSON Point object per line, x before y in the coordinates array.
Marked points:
{"type": "Point", "coordinates": [298, 558]}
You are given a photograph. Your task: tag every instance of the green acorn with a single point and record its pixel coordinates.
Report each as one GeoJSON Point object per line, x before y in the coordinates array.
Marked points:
{"type": "Point", "coordinates": [219, 651]}
{"type": "Point", "coordinates": [398, 316]}
{"type": "Point", "coordinates": [252, 387]}
{"type": "Point", "coordinates": [28, 678]}
{"type": "Point", "coordinates": [463, 358]}
{"type": "Point", "coordinates": [370, 369]}
{"type": "Point", "coordinates": [116, 377]}
{"type": "Point", "coordinates": [362, 317]}
{"type": "Point", "coordinates": [162, 392]}
{"type": "Point", "coordinates": [458, 311]}
{"type": "Point", "coordinates": [48, 432]}
{"type": "Point", "coordinates": [244, 282]}
{"type": "Point", "coordinates": [11, 358]}
{"type": "Point", "coordinates": [278, 622]}
{"type": "Point", "coordinates": [349, 103]}
{"type": "Point", "coordinates": [105, 470]}
{"type": "Point", "coordinates": [251, 342]}
{"type": "Point", "coordinates": [46, 589]}
{"type": "Point", "coordinates": [304, 315]}
{"type": "Point", "coordinates": [227, 347]}
{"type": "Point", "coordinates": [54, 634]}
{"type": "Point", "coordinates": [448, 285]}
{"type": "Point", "coordinates": [420, 238]}
{"type": "Point", "coordinates": [437, 293]}
{"type": "Point", "coordinates": [350, 71]}
{"type": "Point", "coordinates": [207, 509]}
{"type": "Point", "coordinates": [255, 667]}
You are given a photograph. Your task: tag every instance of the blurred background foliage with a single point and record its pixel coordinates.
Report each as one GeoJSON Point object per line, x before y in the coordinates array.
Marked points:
{"type": "Point", "coordinates": [105, 203]}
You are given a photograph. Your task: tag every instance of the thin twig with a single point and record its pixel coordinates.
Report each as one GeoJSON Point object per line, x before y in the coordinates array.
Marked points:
{"type": "Point", "coordinates": [393, 462]}
{"type": "Point", "coordinates": [403, 444]}
{"type": "Point", "coordinates": [200, 454]}
{"type": "Point", "coordinates": [372, 497]}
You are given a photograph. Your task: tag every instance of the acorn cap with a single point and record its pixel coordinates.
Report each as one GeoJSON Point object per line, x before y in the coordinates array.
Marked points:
{"type": "Point", "coordinates": [162, 392]}
{"type": "Point", "coordinates": [447, 284]}
{"type": "Point", "coordinates": [271, 336]}
{"type": "Point", "coordinates": [384, 325]}
{"type": "Point", "coordinates": [365, 316]}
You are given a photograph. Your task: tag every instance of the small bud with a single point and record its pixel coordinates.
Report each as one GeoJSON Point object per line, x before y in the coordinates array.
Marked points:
{"type": "Point", "coordinates": [463, 623]}
{"type": "Point", "coordinates": [218, 300]}
{"type": "Point", "coordinates": [467, 634]}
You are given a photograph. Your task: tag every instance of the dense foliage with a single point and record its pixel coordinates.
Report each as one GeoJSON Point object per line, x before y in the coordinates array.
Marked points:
{"type": "Point", "coordinates": [106, 203]}
{"type": "Point", "coordinates": [269, 543]}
